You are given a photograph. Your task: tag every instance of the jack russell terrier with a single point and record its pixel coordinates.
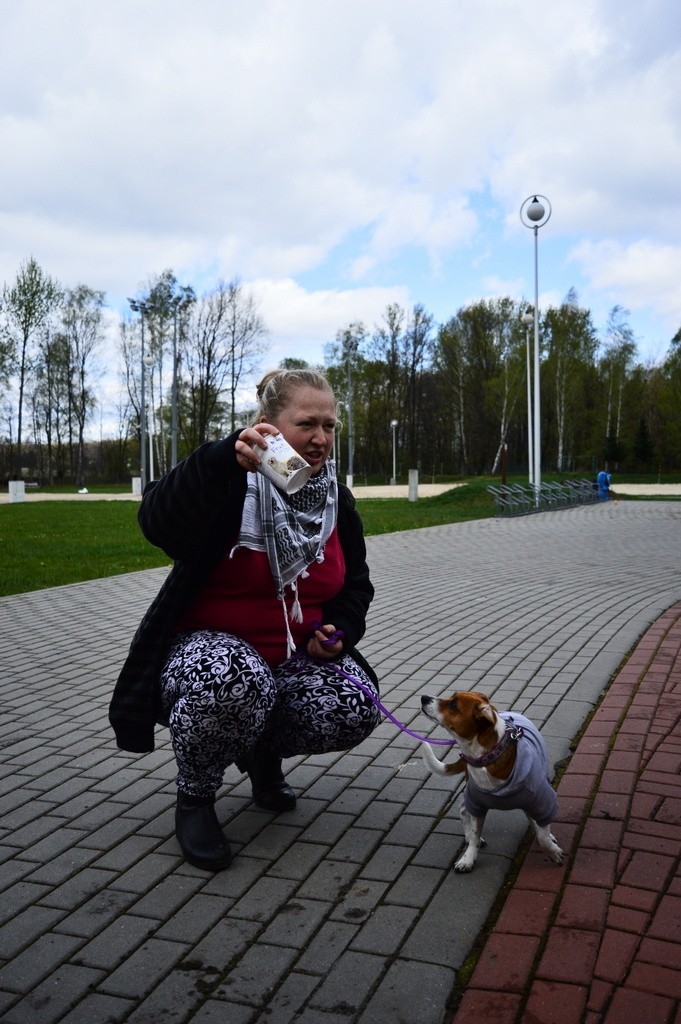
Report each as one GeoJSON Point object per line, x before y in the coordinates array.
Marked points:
{"type": "Point", "coordinates": [506, 766]}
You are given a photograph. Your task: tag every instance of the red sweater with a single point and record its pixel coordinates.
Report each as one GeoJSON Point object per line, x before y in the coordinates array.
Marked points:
{"type": "Point", "coordinates": [239, 598]}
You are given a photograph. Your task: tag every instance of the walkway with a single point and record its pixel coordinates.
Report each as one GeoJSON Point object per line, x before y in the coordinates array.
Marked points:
{"type": "Point", "coordinates": [346, 911]}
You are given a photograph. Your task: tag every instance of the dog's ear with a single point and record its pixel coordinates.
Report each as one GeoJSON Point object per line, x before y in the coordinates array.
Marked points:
{"type": "Point", "coordinates": [487, 711]}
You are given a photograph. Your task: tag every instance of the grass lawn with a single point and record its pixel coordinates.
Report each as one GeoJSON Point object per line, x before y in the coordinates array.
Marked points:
{"type": "Point", "coordinates": [50, 543]}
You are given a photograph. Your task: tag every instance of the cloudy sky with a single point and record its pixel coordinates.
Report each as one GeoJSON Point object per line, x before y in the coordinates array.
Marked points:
{"type": "Point", "coordinates": [338, 155]}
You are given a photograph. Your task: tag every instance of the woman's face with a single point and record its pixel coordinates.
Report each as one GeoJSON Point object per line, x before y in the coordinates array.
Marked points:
{"type": "Point", "coordinates": [308, 424]}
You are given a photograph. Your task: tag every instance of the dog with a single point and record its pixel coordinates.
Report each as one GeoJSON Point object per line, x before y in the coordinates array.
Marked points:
{"type": "Point", "coordinates": [505, 762]}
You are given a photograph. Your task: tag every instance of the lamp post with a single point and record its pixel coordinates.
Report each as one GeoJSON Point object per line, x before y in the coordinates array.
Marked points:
{"type": "Point", "coordinates": [393, 424]}
{"type": "Point", "coordinates": [173, 399]}
{"type": "Point", "coordinates": [149, 362]}
{"type": "Point", "coordinates": [352, 346]}
{"type": "Point", "coordinates": [528, 318]}
{"type": "Point", "coordinates": [534, 213]}
{"type": "Point", "coordinates": [138, 306]}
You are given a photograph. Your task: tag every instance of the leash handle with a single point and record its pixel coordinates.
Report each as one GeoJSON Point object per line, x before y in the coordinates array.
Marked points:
{"type": "Point", "coordinates": [332, 638]}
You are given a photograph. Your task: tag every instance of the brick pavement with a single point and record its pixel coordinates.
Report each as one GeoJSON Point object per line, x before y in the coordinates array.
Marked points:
{"type": "Point", "coordinates": [345, 911]}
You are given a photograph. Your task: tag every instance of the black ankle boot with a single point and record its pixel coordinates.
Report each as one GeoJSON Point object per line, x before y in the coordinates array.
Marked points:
{"type": "Point", "coordinates": [198, 832]}
{"type": "Point", "coordinates": [270, 789]}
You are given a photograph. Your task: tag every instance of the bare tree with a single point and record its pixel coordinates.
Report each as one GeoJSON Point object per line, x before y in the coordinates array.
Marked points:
{"type": "Point", "coordinates": [27, 306]}
{"type": "Point", "coordinates": [82, 328]}
{"type": "Point", "coordinates": [620, 350]}
{"type": "Point", "coordinates": [223, 341]}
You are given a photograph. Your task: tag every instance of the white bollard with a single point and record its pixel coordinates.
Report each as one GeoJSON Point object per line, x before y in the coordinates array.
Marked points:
{"type": "Point", "coordinates": [137, 486]}
{"type": "Point", "coordinates": [17, 490]}
{"type": "Point", "coordinates": [413, 484]}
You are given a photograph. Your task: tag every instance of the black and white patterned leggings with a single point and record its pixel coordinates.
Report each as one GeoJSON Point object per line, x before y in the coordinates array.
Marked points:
{"type": "Point", "coordinates": [218, 697]}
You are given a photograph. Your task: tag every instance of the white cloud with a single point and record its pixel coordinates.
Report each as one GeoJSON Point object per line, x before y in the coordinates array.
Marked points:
{"type": "Point", "coordinates": [342, 144]}
{"type": "Point", "coordinates": [639, 275]}
{"type": "Point", "coordinates": [302, 322]}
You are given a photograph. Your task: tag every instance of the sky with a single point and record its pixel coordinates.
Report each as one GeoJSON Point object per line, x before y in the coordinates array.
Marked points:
{"type": "Point", "coordinates": [340, 155]}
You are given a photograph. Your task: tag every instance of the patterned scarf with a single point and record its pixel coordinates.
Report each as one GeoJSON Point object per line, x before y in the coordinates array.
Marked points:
{"type": "Point", "coordinates": [292, 529]}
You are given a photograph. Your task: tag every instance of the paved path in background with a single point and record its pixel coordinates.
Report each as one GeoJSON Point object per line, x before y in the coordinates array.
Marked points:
{"type": "Point", "coordinates": [345, 911]}
{"type": "Point", "coordinates": [425, 490]}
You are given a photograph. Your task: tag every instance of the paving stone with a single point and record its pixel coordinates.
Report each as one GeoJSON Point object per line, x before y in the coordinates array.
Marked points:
{"type": "Point", "coordinates": [359, 900]}
{"type": "Point", "coordinates": [26, 927]}
{"type": "Point", "coordinates": [50, 1000]}
{"type": "Point", "coordinates": [348, 983]}
{"type": "Point", "coordinates": [144, 969]}
{"type": "Point", "coordinates": [25, 971]}
{"type": "Point", "coordinates": [411, 992]}
{"type": "Point", "coordinates": [385, 930]}
{"type": "Point", "coordinates": [96, 1007]}
{"type": "Point", "coordinates": [328, 881]}
{"type": "Point", "coordinates": [115, 942]}
{"type": "Point", "coordinates": [18, 896]}
{"type": "Point", "coordinates": [95, 913]}
{"type": "Point", "coordinates": [294, 992]}
{"type": "Point", "coordinates": [295, 923]}
{"type": "Point", "coordinates": [327, 945]}
{"type": "Point", "coordinates": [356, 845]}
{"type": "Point", "coordinates": [257, 974]}
{"type": "Point", "coordinates": [218, 1011]}
{"type": "Point", "coordinates": [194, 919]}
{"type": "Point", "coordinates": [263, 899]}
{"type": "Point", "coordinates": [77, 889]}
{"type": "Point", "coordinates": [145, 874]}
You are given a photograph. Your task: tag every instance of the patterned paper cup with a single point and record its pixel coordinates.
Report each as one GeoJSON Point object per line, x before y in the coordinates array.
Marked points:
{"type": "Point", "coordinates": [283, 465]}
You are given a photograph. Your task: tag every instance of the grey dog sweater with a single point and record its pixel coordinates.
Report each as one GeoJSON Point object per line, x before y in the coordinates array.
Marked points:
{"type": "Point", "coordinates": [527, 787]}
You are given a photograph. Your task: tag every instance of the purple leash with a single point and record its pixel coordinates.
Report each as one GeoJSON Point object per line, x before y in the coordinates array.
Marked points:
{"type": "Point", "coordinates": [365, 690]}
{"type": "Point", "coordinates": [334, 638]}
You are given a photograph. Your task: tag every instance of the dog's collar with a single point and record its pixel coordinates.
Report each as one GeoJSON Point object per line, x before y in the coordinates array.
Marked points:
{"type": "Point", "coordinates": [512, 735]}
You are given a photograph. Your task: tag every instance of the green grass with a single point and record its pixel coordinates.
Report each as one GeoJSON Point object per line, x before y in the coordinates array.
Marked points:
{"type": "Point", "coordinates": [50, 543]}
{"type": "Point", "coordinates": [389, 515]}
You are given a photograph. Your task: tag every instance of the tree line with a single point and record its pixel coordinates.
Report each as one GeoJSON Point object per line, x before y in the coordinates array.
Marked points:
{"type": "Point", "coordinates": [458, 391]}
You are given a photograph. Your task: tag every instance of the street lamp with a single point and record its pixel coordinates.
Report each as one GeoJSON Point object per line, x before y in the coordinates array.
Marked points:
{"type": "Point", "coordinates": [149, 362]}
{"type": "Point", "coordinates": [173, 400]}
{"type": "Point", "coordinates": [528, 319]}
{"type": "Point", "coordinates": [393, 424]}
{"type": "Point", "coordinates": [138, 306]}
{"type": "Point", "coordinates": [352, 347]}
{"type": "Point", "coordinates": [534, 213]}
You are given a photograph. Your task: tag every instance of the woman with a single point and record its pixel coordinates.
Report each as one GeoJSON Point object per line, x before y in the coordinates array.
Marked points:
{"type": "Point", "coordinates": [267, 594]}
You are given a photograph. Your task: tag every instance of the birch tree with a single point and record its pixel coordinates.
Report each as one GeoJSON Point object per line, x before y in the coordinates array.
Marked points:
{"type": "Point", "coordinates": [27, 306]}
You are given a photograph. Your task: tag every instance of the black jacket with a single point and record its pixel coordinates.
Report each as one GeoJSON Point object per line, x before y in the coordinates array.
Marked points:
{"type": "Point", "coordinates": [193, 513]}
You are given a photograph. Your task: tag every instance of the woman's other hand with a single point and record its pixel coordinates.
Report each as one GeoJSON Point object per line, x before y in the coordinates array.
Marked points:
{"type": "Point", "coordinates": [325, 643]}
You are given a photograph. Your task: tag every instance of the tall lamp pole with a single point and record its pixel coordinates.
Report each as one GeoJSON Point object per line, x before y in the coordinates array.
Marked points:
{"type": "Point", "coordinates": [393, 424]}
{"type": "Point", "coordinates": [534, 213]}
{"type": "Point", "coordinates": [138, 306]}
{"type": "Point", "coordinates": [352, 346]}
{"type": "Point", "coordinates": [173, 399]}
{"type": "Point", "coordinates": [528, 319]}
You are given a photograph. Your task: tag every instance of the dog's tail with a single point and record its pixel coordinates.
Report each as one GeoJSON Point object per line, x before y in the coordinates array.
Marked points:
{"type": "Point", "coordinates": [437, 766]}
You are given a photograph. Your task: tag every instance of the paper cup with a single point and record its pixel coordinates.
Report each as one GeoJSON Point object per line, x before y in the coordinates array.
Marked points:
{"type": "Point", "coordinates": [282, 464]}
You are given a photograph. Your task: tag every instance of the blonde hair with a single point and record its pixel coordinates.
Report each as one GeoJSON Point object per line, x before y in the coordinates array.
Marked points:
{"type": "Point", "coordinates": [275, 391]}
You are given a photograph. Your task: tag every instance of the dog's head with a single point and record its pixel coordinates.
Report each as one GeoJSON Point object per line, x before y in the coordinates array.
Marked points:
{"type": "Point", "coordinates": [466, 714]}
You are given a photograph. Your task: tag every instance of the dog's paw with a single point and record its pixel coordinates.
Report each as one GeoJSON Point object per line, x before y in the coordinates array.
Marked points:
{"type": "Point", "coordinates": [466, 861]}
{"type": "Point", "coordinates": [553, 850]}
